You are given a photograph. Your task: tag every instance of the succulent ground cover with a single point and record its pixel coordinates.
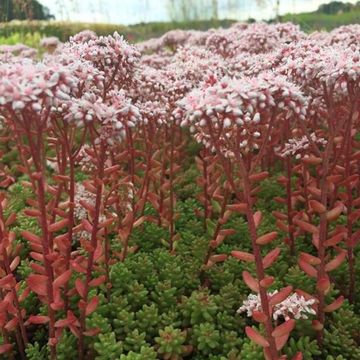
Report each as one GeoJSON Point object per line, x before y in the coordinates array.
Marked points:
{"type": "Point", "coordinates": [196, 196]}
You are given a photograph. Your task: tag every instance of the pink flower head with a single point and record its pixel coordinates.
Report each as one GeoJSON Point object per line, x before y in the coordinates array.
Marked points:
{"type": "Point", "coordinates": [231, 115]}
{"type": "Point", "coordinates": [175, 38]}
{"type": "Point", "coordinates": [110, 54]}
{"type": "Point", "coordinates": [298, 147]}
{"type": "Point", "coordinates": [35, 87]}
{"type": "Point", "coordinates": [83, 36]}
{"type": "Point", "coordinates": [50, 43]}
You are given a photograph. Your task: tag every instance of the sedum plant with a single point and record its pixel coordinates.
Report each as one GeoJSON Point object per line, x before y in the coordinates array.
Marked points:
{"type": "Point", "coordinates": [194, 196]}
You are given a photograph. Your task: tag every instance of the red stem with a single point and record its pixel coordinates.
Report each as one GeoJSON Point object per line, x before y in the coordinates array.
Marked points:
{"type": "Point", "coordinates": [93, 242]}
{"type": "Point", "coordinates": [258, 260]}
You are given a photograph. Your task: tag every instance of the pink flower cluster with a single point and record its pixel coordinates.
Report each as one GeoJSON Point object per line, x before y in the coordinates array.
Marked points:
{"type": "Point", "coordinates": [298, 147]}
{"type": "Point", "coordinates": [34, 87]}
{"type": "Point", "coordinates": [231, 113]}
{"type": "Point", "coordinates": [50, 43]}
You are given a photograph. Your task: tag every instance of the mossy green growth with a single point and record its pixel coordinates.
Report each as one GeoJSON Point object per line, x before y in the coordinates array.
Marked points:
{"type": "Point", "coordinates": [107, 347]}
{"type": "Point", "coordinates": [170, 343]}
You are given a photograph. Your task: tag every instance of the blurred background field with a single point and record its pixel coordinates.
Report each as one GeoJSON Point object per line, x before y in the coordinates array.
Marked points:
{"type": "Point", "coordinates": [27, 21]}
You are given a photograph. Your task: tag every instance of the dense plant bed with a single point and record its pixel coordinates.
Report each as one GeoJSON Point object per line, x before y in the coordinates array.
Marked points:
{"type": "Point", "coordinates": [194, 197]}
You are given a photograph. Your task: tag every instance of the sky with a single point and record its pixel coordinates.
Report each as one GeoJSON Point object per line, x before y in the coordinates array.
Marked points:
{"type": "Point", "coordinates": [134, 11]}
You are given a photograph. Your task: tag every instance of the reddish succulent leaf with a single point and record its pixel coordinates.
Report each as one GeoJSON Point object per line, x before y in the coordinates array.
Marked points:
{"type": "Point", "coordinates": [77, 267]}
{"type": "Point", "coordinates": [225, 218]}
{"type": "Point", "coordinates": [336, 262]}
{"type": "Point", "coordinates": [108, 171]}
{"type": "Point", "coordinates": [127, 219]}
{"type": "Point", "coordinates": [279, 215]}
{"type": "Point", "coordinates": [259, 316]}
{"type": "Point", "coordinates": [80, 287]}
{"type": "Point", "coordinates": [351, 179]}
{"type": "Point", "coordinates": [38, 319]}
{"type": "Point", "coordinates": [62, 242]}
{"type": "Point", "coordinates": [38, 284]}
{"type": "Point", "coordinates": [218, 241]}
{"type": "Point", "coordinates": [7, 281]}
{"type": "Point", "coordinates": [283, 180]}
{"type": "Point", "coordinates": [323, 284]}
{"type": "Point", "coordinates": [14, 264]}
{"type": "Point", "coordinates": [315, 240]}
{"type": "Point", "coordinates": [250, 281]}
{"type": "Point", "coordinates": [307, 268]}
{"type": "Point", "coordinates": [11, 219]}
{"type": "Point", "coordinates": [259, 177]}
{"type": "Point", "coordinates": [280, 200]}
{"type": "Point", "coordinates": [310, 259]}
{"type": "Point", "coordinates": [61, 178]}
{"type": "Point", "coordinates": [282, 226]}
{"type": "Point", "coordinates": [36, 256]}
{"type": "Point", "coordinates": [4, 348]}
{"type": "Point", "coordinates": [98, 281]}
{"type": "Point", "coordinates": [3, 319]}
{"type": "Point", "coordinates": [62, 323]}
{"type": "Point", "coordinates": [243, 256]}
{"type": "Point", "coordinates": [280, 296]}
{"type": "Point", "coordinates": [355, 215]}
{"type": "Point", "coordinates": [3, 305]}
{"type": "Point", "coordinates": [91, 306]}
{"type": "Point", "coordinates": [218, 258]}
{"type": "Point", "coordinates": [58, 225]}
{"type": "Point", "coordinates": [257, 218]}
{"type": "Point", "coordinates": [256, 337]}
{"type": "Point", "coordinates": [11, 325]}
{"type": "Point", "coordinates": [107, 222]}
{"type": "Point", "coordinates": [88, 207]}
{"type": "Point", "coordinates": [270, 258]}
{"type": "Point", "coordinates": [227, 232]}
{"type": "Point", "coordinates": [317, 325]}
{"type": "Point", "coordinates": [334, 305]}
{"type": "Point", "coordinates": [30, 236]}
{"type": "Point", "coordinates": [354, 238]}
{"type": "Point", "coordinates": [355, 155]}
{"type": "Point", "coordinates": [267, 281]}
{"type": "Point", "coordinates": [75, 330]}
{"type": "Point", "coordinates": [281, 341]}
{"type": "Point", "coordinates": [37, 175]}
{"type": "Point", "coordinates": [283, 329]}
{"type": "Point", "coordinates": [139, 221]}
{"type": "Point", "coordinates": [334, 213]}
{"type": "Point", "coordinates": [298, 356]}
{"type": "Point", "coordinates": [336, 239]}
{"type": "Point", "coordinates": [32, 212]}
{"type": "Point", "coordinates": [62, 279]}
{"type": "Point", "coordinates": [57, 305]}
{"type": "Point", "coordinates": [24, 294]}
{"type": "Point", "coordinates": [335, 179]}
{"type": "Point", "coordinates": [37, 268]}
{"type": "Point", "coordinates": [267, 238]}
{"type": "Point", "coordinates": [240, 208]}
{"type": "Point", "coordinates": [312, 160]}
{"type": "Point", "coordinates": [303, 225]}
{"type": "Point", "coordinates": [317, 206]}
{"type": "Point", "coordinates": [86, 225]}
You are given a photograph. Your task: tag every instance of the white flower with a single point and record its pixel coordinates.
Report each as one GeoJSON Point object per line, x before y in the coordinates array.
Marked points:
{"type": "Point", "coordinates": [295, 306]}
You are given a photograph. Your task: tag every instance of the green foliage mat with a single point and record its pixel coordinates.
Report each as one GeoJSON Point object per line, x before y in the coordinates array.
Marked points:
{"type": "Point", "coordinates": [157, 307]}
